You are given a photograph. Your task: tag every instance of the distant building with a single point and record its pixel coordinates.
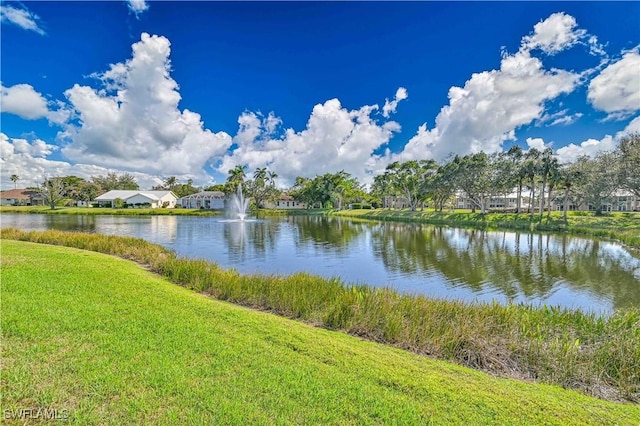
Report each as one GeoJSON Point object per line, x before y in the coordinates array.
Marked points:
{"type": "Point", "coordinates": [285, 202]}
{"type": "Point", "coordinates": [203, 200]}
{"type": "Point", "coordinates": [153, 199]}
{"type": "Point", "coordinates": [21, 197]}
{"type": "Point", "coordinates": [619, 201]}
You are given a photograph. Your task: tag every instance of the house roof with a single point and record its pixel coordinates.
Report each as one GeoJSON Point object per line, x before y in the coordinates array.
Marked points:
{"type": "Point", "coordinates": [125, 194]}
{"type": "Point", "coordinates": [204, 194]}
{"type": "Point", "coordinates": [19, 194]}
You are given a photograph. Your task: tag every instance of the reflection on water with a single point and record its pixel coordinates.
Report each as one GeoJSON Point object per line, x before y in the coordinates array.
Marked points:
{"type": "Point", "coordinates": [440, 262]}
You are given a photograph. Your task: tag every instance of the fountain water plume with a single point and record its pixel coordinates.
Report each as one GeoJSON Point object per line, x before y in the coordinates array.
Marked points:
{"type": "Point", "coordinates": [240, 204]}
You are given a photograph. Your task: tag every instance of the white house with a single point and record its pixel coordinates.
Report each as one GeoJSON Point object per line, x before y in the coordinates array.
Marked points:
{"type": "Point", "coordinates": [286, 202]}
{"type": "Point", "coordinates": [153, 199]}
{"type": "Point", "coordinates": [21, 197]}
{"type": "Point", "coordinates": [203, 200]}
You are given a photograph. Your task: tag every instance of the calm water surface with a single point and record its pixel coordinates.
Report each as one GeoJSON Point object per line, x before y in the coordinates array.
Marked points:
{"type": "Point", "coordinates": [419, 259]}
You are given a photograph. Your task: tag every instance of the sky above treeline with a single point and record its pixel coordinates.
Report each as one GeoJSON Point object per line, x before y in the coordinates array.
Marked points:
{"type": "Point", "coordinates": [191, 89]}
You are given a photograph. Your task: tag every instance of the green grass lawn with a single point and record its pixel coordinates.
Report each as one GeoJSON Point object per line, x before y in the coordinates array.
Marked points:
{"type": "Point", "coordinates": [114, 344]}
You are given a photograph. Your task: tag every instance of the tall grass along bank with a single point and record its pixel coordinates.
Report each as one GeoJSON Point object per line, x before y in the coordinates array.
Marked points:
{"type": "Point", "coordinates": [93, 339]}
{"type": "Point", "coordinates": [599, 356]}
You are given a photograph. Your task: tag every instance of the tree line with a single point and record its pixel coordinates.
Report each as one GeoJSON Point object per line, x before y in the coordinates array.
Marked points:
{"type": "Point", "coordinates": [479, 177]}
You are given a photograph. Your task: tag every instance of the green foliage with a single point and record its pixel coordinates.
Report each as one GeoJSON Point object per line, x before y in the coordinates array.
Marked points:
{"type": "Point", "coordinates": [629, 154]}
{"type": "Point", "coordinates": [331, 190]}
{"type": "Point", "coordinates": [113, 181]}
{"type": "Point", "coordinates": [262, 188]}
{"type": "Point", "coordinates": [174, 185]}
{"type": "Point", "coordinates": [236, 178]}
{"type": "Point", "coordinates": [511, 341]}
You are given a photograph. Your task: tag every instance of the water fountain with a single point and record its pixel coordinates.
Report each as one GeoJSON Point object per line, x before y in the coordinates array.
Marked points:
{"type": "Point", "coordinates": [240, 204]}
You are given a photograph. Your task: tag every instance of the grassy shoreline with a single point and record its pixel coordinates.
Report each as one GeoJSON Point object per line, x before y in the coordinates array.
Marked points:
{"type": "Point", "coordinates": [599, 356]}
{"type": "Point", "coordinates": [105, 342]}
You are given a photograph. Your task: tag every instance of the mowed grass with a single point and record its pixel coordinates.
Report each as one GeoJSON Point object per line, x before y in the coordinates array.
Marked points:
{"type": "Point", "coordinates": [114, 344]}
{"type": "Point", "coordinates": [598, 355]}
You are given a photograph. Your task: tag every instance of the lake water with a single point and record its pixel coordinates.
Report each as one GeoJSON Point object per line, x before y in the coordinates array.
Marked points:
{"type": "Point", "coordinates": [441, 262]}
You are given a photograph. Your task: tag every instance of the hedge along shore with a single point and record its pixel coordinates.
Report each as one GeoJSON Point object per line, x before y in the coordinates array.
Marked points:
{"type": "Point", "coordinates": [577, 350]}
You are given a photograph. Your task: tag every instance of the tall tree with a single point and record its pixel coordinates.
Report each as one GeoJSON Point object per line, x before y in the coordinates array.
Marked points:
{"type": "Point", "coordinates": [599, 178]}
{"type": "Point", "coordinates": [445, 184]}
{"type": "Point", "coordinates": [236, 178]}
{"type": "Point", "coordinates": [262, 188]}
{"type": "Point", "coordinates": [629, 153]}
{"type": "Point", "coordinates": [569, 179]}
{"type": "Point", "coordinates": [531, 168]}
{"type": "Point", "coordinates": [271, 178]}
{"type": "Point", "coordinates": [548, 166]}
{"type": "Point", "coordinates": [171, 183]}
{"type": "Point", "coordinates": [516, 155]}
{"type": "Point", "coordinates": [474, 179]}
{"type": "Point", "coordinates": [14, 179]}
{"type": "Point", "coordinates": [53, 191]}
{"type": "Point", "coordinates": [414, 180]}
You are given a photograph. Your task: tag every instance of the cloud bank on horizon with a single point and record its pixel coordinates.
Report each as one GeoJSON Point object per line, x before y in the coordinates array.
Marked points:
{"type": "Point", "coordinates": [130, 119]}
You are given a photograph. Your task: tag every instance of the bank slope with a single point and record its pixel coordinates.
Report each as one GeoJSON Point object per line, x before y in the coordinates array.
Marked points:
{"type": "Point", "coordinates": [113, 344]}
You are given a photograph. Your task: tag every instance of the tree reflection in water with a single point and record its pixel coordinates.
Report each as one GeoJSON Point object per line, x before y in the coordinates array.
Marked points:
{"type": "Point", "coordinates": [533, 265]}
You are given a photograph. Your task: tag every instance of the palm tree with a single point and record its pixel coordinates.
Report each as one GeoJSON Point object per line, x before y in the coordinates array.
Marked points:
{"type": "Point", "coordinates": [14, 179]}
{"type": "Point", "coordinates": [548, 165]}
{"type": "Point", "coordinates": [271, 177]}
{"type": "Point", "coordinates": [236, 177]}
{"type": "Point", "coordinates": [171, 183]}
{"type": "Point", "coordinates": [260, 175]}
{"type": "Point", "coordinates": [515, 154]}
{"type": "Point", "coordinates": [531, 168]}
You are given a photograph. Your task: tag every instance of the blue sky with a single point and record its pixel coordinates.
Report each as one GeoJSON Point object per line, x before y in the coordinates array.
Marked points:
{"type": "Point", "coordinates": [193, 88]}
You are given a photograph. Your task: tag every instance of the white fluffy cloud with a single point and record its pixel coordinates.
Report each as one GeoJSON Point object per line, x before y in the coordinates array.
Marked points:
{"type": "Point", "coordinates": [589, 147]}
{"type": "Point", "coordinates": [133, 121]}
{"type": "Point", "coordinates": [24, 101]}
{"type": "Point", "coordinates": [20, 17]}
{"type": "Point", "coordinates": [592, 146]}
{"type": "Point", "coordinates": [537, 143]}
{"type": "Point", "coordinates": [555, 34]}
{"type": "Point", "coordinates": [616, 89]}
{"type": "Point", "coordinates": [27, 159]}
{"type": "Point", "coordinates": [391, 106]}
{"type": "Point", "coordinates": [335, 138]}
{"type": "Point", "coordinates": [137, 6]}
{"type": "Point", "coordinates": [492, 104]}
